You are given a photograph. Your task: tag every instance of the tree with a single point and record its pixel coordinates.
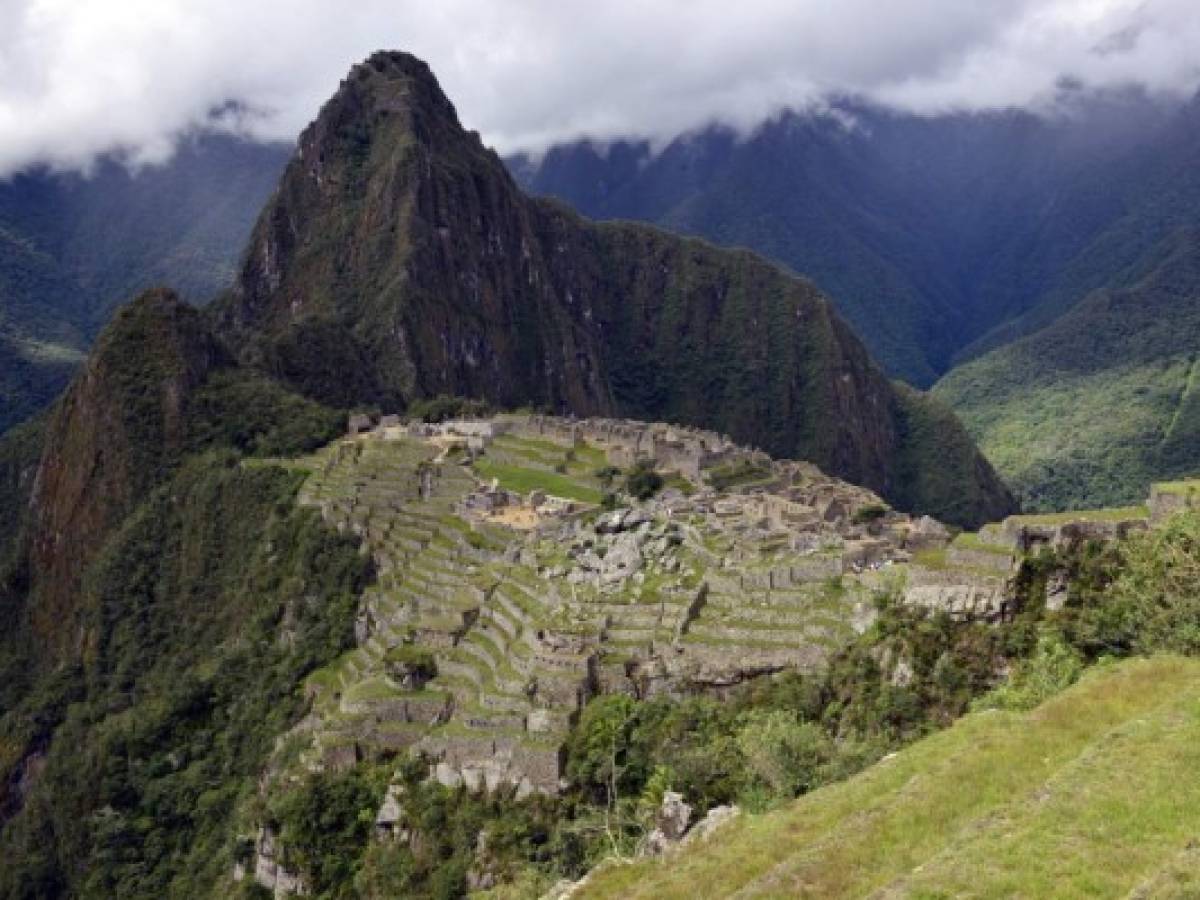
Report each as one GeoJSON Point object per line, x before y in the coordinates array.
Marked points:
{"type": "Point", "coordinates": [643, 481]}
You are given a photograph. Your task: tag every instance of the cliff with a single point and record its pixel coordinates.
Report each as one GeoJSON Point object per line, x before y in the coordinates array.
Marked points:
{"type": "Point", "coordinates": [112, 436]}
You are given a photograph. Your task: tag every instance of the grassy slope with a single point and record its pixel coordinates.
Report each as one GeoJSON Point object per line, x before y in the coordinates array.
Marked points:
{"type": "Point", "coordinates": [1081, 797]}
{"type": "Point", "coordinates": [1092, 409]}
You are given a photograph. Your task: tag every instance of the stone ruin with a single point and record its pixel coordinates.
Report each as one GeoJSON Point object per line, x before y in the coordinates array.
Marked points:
{"type": "Point", "coordinates": [688, 451]}
{"type": "Point", "coordinates": [688, 591]}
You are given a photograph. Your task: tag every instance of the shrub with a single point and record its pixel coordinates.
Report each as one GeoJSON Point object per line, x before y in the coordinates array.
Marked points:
{"type": "Point", "coordinates": [606, 475]}
{"type": "Point", "coordinates": [782, 752]}
{"type": "Point", "coordinates": [325, 822]}
{"type": "Point", "coordinates": [599, 744]}
{"type": "Point", "coordinates": [444, 407]}
{"type": "Point", "coordinates": [1053, 667]}
{"type": "Point", "coordinates": [872, 512]}
{"type": "Point", "coordinates": [1157, 591]}
{"type": "Point", "coordinates": [643, 481]}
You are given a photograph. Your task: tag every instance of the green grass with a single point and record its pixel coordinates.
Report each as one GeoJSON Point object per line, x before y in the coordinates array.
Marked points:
{"type": "Point", "coordinates": [373, 689]}
{"type": "Point", "coordinates": [737, 474]}
{"type": "Point", "coordinates": [970, 541]}
{"type": "Point", "coordinates": [1082, 797]}
{"type": "Point", "coordinates": [522, 481]}
{"type": "Point", "coordinates": [681, 484]}
{"type": "Point", "coordinates": [1112, 514]}
{"type": "Point", "coordinates": [1185, 488]}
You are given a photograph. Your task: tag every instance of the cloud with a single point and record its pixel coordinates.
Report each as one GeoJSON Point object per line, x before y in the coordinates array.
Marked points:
{"type": "Point", "coordinates": [84, 77]}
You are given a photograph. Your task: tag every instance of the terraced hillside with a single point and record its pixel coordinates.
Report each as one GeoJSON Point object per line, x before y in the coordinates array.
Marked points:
{"type": "Point", "coordinates": [1082, 797]}
{"type": "Point", "coordinates": [504, 599]}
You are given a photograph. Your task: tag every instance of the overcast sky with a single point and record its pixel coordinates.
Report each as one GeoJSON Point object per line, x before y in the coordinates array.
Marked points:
{"type": "Point", "coordinates": [81, 77]}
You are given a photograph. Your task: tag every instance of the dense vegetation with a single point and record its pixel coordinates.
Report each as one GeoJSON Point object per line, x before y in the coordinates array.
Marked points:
{"type": "Point", "coordinates": [1089, 411]}
{"type": "Point", "coordinates": [73, 247]}
{"type": "Point", "coordinates": [213, 602]}
{"type": "Point", "coordinates": [137, 721]}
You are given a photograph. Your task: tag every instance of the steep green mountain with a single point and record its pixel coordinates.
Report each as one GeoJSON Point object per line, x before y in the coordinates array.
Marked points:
{"type": "Point", "coordinates": [1091, 409]}
{"type": "Point", "coordinates": [398, 260]}
{"type": "Point", "coordinates": [158, 387]}
{"type": "Point", "coordinates": [145, 572]}
{"type": "Point", "coordinates": [935, 236]}
{"type": "Point", "coordinates": [72, 247]}
{"type": "Point", "coordinates": [1139, 199]}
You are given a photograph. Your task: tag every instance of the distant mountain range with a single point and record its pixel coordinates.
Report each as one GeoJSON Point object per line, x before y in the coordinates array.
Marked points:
{"type": "Point", "coordinates": [934, 236]}
{"type": "Point", "coordinates": [943, 238]}
{"type": "Point", "coordinates": [939, 239]}
{"type": "Point", "coordinates": [72, 247]}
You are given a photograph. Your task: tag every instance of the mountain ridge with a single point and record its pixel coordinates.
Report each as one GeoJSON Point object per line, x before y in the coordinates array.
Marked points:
{"type": "Point", "coordinates": [398, 260]}
{"type": "Point", "coordinates": [1094, 407]}
{"type": "Point", "coordinates": [935, 236]}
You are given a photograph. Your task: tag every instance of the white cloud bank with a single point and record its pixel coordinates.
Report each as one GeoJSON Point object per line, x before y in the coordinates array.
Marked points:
{"type": "Point", "coordinates": [83, 77]}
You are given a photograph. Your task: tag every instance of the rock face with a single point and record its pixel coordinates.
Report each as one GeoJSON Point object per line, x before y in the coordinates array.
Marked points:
{"type": "Point", "coordinates": [398, 260]}
{"type": "Point", "coordinates": [670, 824]}
{"type": "Point", "coordinates": [118, 427]}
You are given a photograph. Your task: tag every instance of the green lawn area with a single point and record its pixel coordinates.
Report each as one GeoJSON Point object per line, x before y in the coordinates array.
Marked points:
{"type": "Point", "coordinates": [1112, 514]}
{"type": "Point", "coordinates": [1089, 795]}
{"type": "Point", "coordinates": [931, 558]}
{"type": "Point", "coordinates": [1191, 486]}
{"type": "Point", "coordinates": [523, 480]}
{"type": "Point", "coordinates": [971, 541]}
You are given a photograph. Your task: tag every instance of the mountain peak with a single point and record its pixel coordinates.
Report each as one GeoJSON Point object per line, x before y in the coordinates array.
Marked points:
{"type": "Point", "coordinates": [399, 261]}
{"type": "Point", "coordinates": [386, 88]}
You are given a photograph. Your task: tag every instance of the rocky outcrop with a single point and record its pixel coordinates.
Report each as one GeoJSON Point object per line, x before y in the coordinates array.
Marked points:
{"type": "Point", "coordinates": [269, 870]}
{"type": "Point", "coordinates": [1168, 499]}
{"type": "Point", "coordinates": [398, 260]}
{"type": "Point", "coordinates": [670, 823]}
{"type": "Point", "coordinates": [117, 431]}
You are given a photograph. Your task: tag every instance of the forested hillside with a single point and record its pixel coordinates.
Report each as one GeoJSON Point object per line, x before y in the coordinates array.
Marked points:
{"type": "Point", "coordinates": [1097, 405]}
{"type": "Point", "coordinates": [72, 247]}
{"type": "Point", "coordinates": [928, 233]}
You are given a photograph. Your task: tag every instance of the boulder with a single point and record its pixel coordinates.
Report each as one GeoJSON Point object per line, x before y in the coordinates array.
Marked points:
{"type": "Point", "coordinates": [717, 817]}
{"type": "Point", "coordinates": [670, 824]}
{"type": "Point", "coordinates": [611, 523]}
{"type": "Point", "coordinates": [622, 560]}
{"type": "Point", "coordinates": [389, 819]}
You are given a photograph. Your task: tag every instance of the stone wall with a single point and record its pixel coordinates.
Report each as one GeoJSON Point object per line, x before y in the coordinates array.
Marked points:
{"type": "Point", "coordinates": [1165, 503]}
{"type": "Point", "coordinates": [676, 448]}
{"type": "Point", "coordinates": [963, 596]}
